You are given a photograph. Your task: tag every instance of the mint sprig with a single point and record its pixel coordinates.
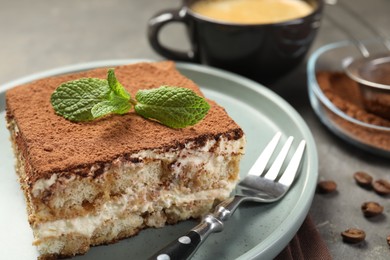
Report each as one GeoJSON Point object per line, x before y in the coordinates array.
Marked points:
{"type": "Point", "coordinates": [176, 107]}
{"type": "Point", "coordinates": [90, 98]}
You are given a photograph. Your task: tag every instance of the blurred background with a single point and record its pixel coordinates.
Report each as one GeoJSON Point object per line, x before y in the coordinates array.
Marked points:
{"type": "Point", "coordinates": [47, 33]}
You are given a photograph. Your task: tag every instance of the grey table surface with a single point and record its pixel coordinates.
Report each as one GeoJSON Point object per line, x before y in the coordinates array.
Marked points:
{"type": "Point", "coordinates": [43, 34]}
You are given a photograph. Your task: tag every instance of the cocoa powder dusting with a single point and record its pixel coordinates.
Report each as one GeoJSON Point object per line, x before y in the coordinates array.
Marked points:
{"type": "Point", "coordinates": [345, 94]}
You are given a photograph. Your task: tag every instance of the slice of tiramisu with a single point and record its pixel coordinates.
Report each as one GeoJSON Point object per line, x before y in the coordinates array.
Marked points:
{"type": "Point", "coordinates": [95, 182]}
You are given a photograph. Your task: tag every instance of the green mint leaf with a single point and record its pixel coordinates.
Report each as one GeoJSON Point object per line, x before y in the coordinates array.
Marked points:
{"type": "Point", "coordinates": [75, 99]}
{"type": "Point", "coordinates": [172, 106]}
{"type": "Point", "coordinates": [90, 98]}
{"type": "Point", "coordinates": [115, 86]}
{"type": "Point", "coordinates": [115, 105]}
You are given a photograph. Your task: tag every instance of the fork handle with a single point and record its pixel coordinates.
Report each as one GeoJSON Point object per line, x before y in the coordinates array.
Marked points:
{"type": "Point", "coordinates": [185, 246]}
{"type": "Point", "coordinates": [181, 248]}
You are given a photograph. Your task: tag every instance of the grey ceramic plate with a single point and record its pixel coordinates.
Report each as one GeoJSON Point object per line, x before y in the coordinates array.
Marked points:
{"type": "Point", "coordinates": [255, 231]}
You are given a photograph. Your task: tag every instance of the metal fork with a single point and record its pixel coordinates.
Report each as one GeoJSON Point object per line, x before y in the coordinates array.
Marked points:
{"type": "Point", "coordinates": [258, 186]}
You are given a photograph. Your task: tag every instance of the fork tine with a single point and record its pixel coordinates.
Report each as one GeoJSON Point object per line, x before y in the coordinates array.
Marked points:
{"type": "Point", "coordinates": [261, 162]}
{"type": "Point", "coordinates": [292, 168]}
{"type": "Point", "coordinates": [273, 172]}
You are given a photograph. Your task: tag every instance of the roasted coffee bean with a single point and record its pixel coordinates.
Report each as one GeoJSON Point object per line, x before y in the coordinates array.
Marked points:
{"type": "Point", "coordinates": [363, 179]}
{"type": "Point", "coordinates": [326, 186]}
{"type": "Point", "coordinates": [371, 209]}
{"type": "Point", "coordinates": [381, 187]}
{"type": "Point", "coordinates": [353, 235]}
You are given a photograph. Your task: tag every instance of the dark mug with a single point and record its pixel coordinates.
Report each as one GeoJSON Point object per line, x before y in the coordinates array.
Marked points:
{"type": "Point", "coordinates": [259, 51]}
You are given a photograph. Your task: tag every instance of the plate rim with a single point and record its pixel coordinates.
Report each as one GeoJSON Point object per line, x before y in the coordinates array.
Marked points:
{"type": "Point", "coordinates": [279, 238]}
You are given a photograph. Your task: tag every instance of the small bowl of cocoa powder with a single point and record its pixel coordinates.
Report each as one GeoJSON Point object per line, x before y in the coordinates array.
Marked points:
{"type": "Point", "coordinates": [338, 100]}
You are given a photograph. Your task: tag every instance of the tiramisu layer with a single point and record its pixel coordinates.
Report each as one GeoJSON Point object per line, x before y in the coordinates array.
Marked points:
{"type": "Point", "coordinates": [96, 182]}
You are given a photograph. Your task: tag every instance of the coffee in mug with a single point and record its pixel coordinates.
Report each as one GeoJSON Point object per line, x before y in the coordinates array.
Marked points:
{"type": "Point", "coordinates": [252, 11]}
{"type": "Point", "coordinates": [261, 48]}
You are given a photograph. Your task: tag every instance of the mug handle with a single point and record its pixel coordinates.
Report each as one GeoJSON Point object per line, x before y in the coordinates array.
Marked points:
{"type": "Point", "coordinates": [157, 22]}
